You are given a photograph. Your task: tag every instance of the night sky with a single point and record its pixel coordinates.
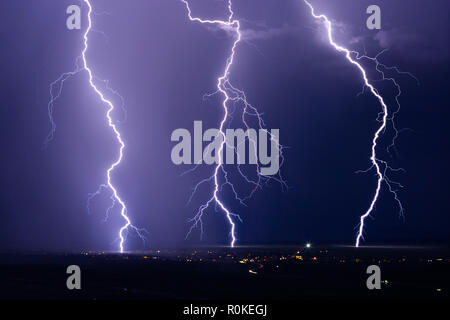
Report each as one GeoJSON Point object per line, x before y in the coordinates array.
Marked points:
{"type": "Point", "coordinates": [163, 64]}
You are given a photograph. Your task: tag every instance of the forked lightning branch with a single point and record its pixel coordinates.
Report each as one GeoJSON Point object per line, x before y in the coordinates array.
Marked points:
{"type": "Point", "coordinates": [240, 147]}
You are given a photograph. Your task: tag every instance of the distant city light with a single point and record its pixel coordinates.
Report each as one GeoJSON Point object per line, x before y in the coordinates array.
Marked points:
{"type": "Point", "coordinates": [308, 245]}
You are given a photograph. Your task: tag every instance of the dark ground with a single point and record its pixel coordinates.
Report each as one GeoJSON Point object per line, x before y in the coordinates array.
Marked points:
{"type": "Point", "coordinates": [221, 274]}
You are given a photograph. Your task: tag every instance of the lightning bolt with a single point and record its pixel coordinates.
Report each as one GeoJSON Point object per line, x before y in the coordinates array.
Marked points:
{"type": "Point", "coordinates": [381, 166]}
{"type": "Point", "coordinates": [58, 84]}
{"type": "Point", "coordinates": [230, 94]}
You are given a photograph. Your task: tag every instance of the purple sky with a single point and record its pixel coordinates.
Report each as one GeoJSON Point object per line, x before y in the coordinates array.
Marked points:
{"type": "Point", "coordinates": [163, 64]}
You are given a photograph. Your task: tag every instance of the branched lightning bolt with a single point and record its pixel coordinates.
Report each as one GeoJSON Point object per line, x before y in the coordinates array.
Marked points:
{"type": "Point", "coordinates": [230, 94]}
{"type": "Point", "coordinates": [380, 166]}
{"type": "Point", "coordinates": [59, 83]}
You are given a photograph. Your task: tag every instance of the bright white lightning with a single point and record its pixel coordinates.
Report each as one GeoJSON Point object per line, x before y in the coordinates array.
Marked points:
{"type": "Point", "coordinates": [376, 163]}
{"type": "Point", "coordinates": [115, 198]}
{"type": "Point", "coordinates": [230, 94]}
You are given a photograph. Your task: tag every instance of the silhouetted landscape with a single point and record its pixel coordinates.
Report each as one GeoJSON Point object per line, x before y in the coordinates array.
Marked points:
{"type": "Point", "coordinates": [239, 274]}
